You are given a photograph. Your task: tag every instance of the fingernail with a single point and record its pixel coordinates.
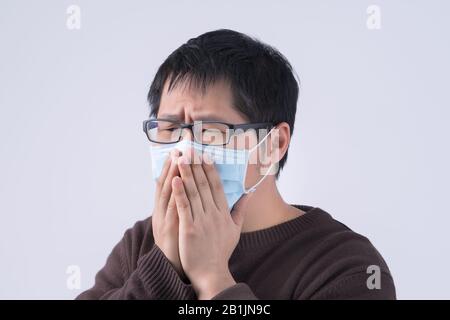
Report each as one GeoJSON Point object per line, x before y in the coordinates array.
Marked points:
{"type": "Point", "coordinates": [207, 159]}
{"type": "Point", "coordinates": [197, 158]}
{"type": "Point", "coordinates": [175, 152]}
{"type": "Point", "coordinates": [182, 160]}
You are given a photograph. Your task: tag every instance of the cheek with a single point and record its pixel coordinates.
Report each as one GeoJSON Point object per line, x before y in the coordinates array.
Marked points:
{"type": "Point", "coordinates": [253, 175]}
{"type": "Point", "coordinates": [258, 164]}
{"type": "Point", "coordinates": [242, 141]}
{"type": "Point", "coordinates": [255, 168]}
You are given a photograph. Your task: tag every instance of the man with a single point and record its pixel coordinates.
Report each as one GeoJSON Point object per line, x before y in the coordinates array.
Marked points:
{"type": "Point", "coordinates": [220, 230]}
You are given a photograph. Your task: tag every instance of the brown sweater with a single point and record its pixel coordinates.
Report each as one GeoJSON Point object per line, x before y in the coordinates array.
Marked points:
{"type": "Point", "coordinates": [312, 256]}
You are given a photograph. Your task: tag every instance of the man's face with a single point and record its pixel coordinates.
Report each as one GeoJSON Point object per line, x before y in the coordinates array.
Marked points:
{"type": "Point", "coordinates": [188, 104]}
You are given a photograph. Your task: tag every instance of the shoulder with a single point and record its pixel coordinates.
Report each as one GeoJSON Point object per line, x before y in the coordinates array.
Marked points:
{"type": "Point", "coordinates": [351, 248]}
{"type": "Point", "coordinates": [329, 240]}
{"type": "Point", "coordinates": [339, 255]}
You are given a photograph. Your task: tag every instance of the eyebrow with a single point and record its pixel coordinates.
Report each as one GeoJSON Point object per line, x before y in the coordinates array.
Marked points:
{"type": "Point", "coordinates": [169, 117]}
{"type": "Point", "coordinates": [174, 117]}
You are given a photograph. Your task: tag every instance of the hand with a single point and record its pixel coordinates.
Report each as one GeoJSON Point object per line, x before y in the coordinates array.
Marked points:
{"type": "Point", "coordinates": [208, 233]}
{"type": "Point", "coordinates": [165, 216]}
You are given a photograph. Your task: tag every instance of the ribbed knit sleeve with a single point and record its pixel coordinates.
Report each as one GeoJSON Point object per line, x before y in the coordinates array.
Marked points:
{"type": "Point", "coordinates": [160, 279]}
{"type": "Point", "coordinates": [149, 277]}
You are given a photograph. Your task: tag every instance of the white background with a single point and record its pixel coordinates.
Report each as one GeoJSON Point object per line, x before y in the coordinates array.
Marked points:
{"type": "Point", "coordinates": [370, 145]}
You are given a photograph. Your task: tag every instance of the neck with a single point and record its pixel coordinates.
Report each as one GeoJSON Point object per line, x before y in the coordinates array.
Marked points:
{"type": "Point", "coordinates": [265, 207]}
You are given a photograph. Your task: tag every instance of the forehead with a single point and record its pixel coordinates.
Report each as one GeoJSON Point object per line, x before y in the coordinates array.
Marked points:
{"type": "Point", "coordinates": [188, 102]}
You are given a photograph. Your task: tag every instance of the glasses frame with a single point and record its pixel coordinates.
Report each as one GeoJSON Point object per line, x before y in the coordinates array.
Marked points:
{"type": "Point", "coordinates": [243, 126]}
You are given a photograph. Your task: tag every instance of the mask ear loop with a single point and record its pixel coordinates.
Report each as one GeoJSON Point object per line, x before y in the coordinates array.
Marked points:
{"type": "Point", "coordinates": [253, 189]}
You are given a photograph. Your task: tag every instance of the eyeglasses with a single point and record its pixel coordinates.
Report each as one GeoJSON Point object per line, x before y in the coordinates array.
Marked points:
{"type": "Point", "coordinates": [213, 133]}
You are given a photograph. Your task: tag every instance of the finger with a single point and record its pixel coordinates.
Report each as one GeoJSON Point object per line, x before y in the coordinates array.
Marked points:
{"type": "Point", "coordinates": [190, 186]}
{"type": "Point", "coordinates": [166, 190]}
{"type": "Point", "coordinates": [162, 177]}
{"type": "Point", "coordinates": [171, 214]}
{"type": "Point", "coordinates": [182, 202]}
{"type": "Point", "coordinates": [202, 184]}
{"type": "Point", "coordinates": [215, 183]}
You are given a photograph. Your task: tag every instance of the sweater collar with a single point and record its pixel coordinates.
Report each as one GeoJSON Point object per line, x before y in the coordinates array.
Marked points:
{"type": "Point", "coordinates": [261, 238]}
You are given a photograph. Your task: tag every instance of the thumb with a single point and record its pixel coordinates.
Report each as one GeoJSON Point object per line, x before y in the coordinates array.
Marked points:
{"type": "Point", "coordinates": [239, 210]}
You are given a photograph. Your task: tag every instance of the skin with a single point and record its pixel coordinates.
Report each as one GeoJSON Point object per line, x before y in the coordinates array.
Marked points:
{"type": "Point", "coordinates": [192, 224]}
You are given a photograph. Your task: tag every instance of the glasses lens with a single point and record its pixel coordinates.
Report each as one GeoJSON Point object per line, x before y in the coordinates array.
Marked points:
{"type": "Point", "coordinates": [212, 133]}
{"type": "Point", "coordinates": [163, 131]}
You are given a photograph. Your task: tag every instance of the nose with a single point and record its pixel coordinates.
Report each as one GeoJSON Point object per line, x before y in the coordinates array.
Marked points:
{"type": "Point", "coordinates": [187, 134]}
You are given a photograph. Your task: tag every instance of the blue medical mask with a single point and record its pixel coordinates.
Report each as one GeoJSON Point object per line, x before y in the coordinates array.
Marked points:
{"type": "Point", "coordinates": [230, 163]}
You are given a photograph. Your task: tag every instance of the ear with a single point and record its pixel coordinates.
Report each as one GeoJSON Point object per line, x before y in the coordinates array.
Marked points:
{"type": "Point", "coordinates": [282, 138]}
{"type": "Point", "coordinates": [279, 142]}
{"type": "Point", "coordinates": [275, 147]}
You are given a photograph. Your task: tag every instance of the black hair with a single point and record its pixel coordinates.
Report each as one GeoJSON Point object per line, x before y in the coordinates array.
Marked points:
{"type": "Point", "coordinates": [263, 83]}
